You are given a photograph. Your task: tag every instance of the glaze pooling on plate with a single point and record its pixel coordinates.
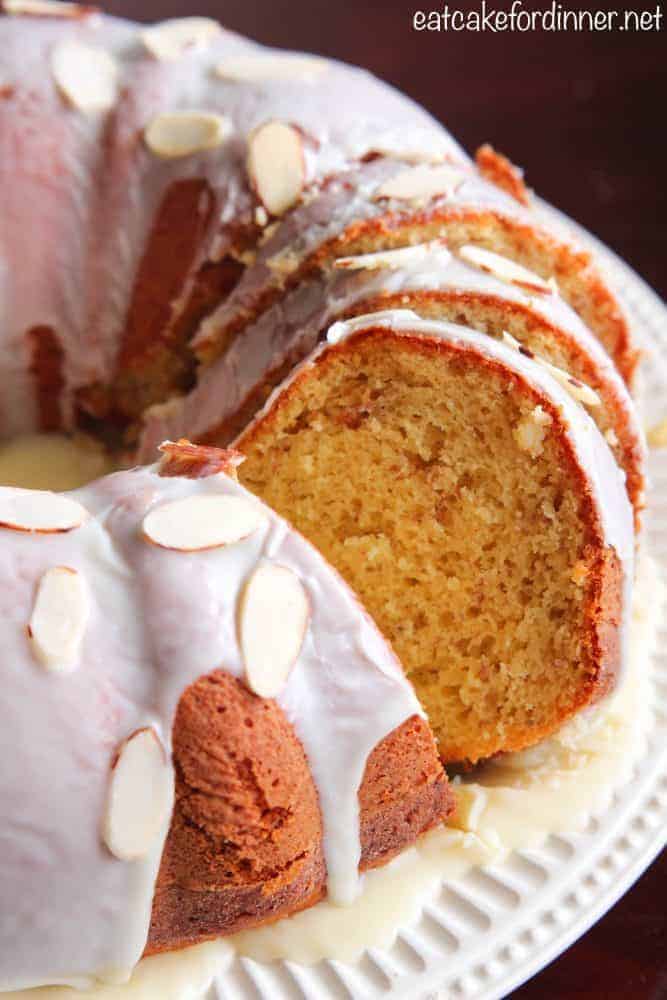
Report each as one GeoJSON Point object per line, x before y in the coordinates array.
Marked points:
{"type": "Point", "coordinates": [157, 619]}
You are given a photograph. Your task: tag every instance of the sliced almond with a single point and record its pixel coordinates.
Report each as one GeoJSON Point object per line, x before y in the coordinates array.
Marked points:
{"type": "Point", "coordinates": [198, 461]}
{"type": "Point", "coordinates": [58, 622]}
{"type": "Point", "coordinates": [504, 269]}
{"type": "Point", "coordinates": [87, 76]}
{"type": "Point", "coordinates": [263, 66]}
{"type": "Point", "coordinates": [276, 165]}
{"type": "Point", "coordinates": [203, 522]}
{"type": "Point", "coordinates": [273, 619]}
{"type": "Point", "coordinates": [182, 133]}
{"type": "Point", "coordinates": [46, 8]}
{"type": "Point", "coordinates": [394, 259]}
{"type": "Point", "coordinates": [397, 149]}
{"type": "Point", "coordinates": [139, 796]}
{"type": "Point", "coordinates": [39, 510]}
{"type": "Point", "coordinates": [579, 391]}
{"type": "Point", "coordinates": [179, 36]}
{"type": "Point", "coordinates": [517, 346]}
{"type": "Point", "coordinates": [422, 183]}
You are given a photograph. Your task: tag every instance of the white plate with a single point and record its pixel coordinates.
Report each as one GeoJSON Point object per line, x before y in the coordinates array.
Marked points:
{"type": "Point", "coordinates": [484, 935]}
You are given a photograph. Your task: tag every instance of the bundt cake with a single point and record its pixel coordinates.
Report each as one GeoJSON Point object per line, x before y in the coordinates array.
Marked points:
{"type": "Point", "coordinates": [169, 594]}
{"type": "Point", "coordinates": [473, 505]}
{"type": "Point", "coordinates": [206, 730]}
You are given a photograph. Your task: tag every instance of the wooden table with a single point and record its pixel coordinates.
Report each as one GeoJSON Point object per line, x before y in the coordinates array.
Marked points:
{"type": "Point", "coordinates": [584, 114]}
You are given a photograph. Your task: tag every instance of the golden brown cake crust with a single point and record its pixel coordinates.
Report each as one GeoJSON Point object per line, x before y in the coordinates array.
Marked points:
{"type": "Point", "coordinates": [497, 169]}
{"type": "Point", "coordinates": [245, 844]}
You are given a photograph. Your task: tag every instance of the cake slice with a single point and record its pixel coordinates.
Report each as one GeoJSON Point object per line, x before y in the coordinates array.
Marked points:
{"type": "Point", "coordinates": [473, 505]}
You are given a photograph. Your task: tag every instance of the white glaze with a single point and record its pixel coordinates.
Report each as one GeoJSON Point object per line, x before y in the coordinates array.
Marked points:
{"type": "Point", "coordinates": [514, 803]}
{"type": "Point", "coordinates": [158, 620]}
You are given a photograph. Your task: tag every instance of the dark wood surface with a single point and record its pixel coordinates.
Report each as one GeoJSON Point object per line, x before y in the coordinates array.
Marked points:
{"type": "Point", "coordinates": [584, 114]}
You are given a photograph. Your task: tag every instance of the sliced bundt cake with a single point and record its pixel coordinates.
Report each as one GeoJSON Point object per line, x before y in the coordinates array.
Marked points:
{"type": "Point", "coordinates": [200, 718]}
{"type": "Point", "coordinates": [224, 736]}
{"type": "Point", "coordinates": [405, 204]}
{"type": "Point", "coordinates": [471, 286]}
{"type": "Point", "coordinates": [473, 505]}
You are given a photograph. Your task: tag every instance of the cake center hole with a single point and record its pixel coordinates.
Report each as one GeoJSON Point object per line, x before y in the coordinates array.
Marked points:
{"type": "Point", "coordinates": [52, 461]}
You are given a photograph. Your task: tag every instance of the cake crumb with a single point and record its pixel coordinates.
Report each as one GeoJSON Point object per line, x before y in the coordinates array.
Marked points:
{"type": "Point", "coordinates": [529, 433]}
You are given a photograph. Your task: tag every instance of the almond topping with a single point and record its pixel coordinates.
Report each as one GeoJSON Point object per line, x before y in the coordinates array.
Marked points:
{"type": "Point", "coordinates": [264, 66]}
{"type": "Point", "coordinates": [504, 269]}
{"type": "Point", "coordinates": [579, 391]}
{"type": "Point", "coordinates": [276, 165]}
{"type": "Point", "coordinates": [180, 36]}
{"type": "Point", "coordinates": [197, 461]}
{"type": "Point", "coordinates": [422, 183]}
{"type": "Point", "coordinates": [86, 76]}
{"type": "Point", "coordinates": [47, 8]}
{"type": "Point", "coordinates": [39, 510]}
{"type": "Point", "coordinates": [394, 259]}
{"type": "Point", "coordinates": [59, 618]}
{"type": "Point", "coordinates": [202, 522]}
{"type": "Point", "coordinates": [139, 797]}
{"type": "Point", "coordinates": [274, 615]}
{"type": "Point", "coordinates": [182, 133]}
